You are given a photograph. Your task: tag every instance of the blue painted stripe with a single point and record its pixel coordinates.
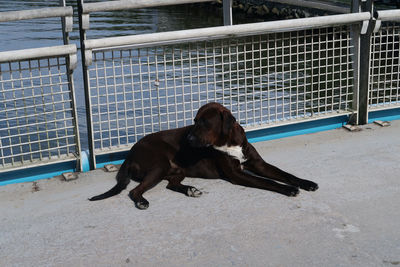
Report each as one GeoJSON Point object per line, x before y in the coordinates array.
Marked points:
{"type": "Point", "coordinates": [36, 173]}
{"type": "Point", "coordinates": [384, 115]}
{"type": "Point", "coordinates": [296, 129]}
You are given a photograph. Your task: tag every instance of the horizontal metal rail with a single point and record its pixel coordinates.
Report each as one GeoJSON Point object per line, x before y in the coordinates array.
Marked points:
{"type": "Point", "coordinates": [32, 53]}
{"type": "Point", "coordinates": [48, 12]}
{"type": "Point", "coordinates": [231, 31]}
{"type": "Point", "coordinates": [385, 15]}
{"type": "Point", "coordinates": [126, 4]}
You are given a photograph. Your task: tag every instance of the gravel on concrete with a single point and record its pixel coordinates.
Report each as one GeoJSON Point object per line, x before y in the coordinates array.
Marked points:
{"type": "Point", "coordinates": [352, 220]}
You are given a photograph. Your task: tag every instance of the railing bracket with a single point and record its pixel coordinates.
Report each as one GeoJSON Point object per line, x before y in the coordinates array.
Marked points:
{"type": "Point", "coordinates": [85, 21]}
{"type": "Point", "coordinates": [382, 123]}
{"type": "Point", "coordinates": [110, 168]}
{"type": "Point", "coordinates": [69, 23]}
{"type": "Point", "coordinates": [88, 57]}
{"type": "Point", "coordinates": [378, 24]}
{"type": "Point", "coordinates": [352, 128]}
{"type": "Point", "coordinates": [70, 176]}
{"type": "Point", "coordinates": [364, 27]}
{"type": "Point", "coordinates": [73, 61]}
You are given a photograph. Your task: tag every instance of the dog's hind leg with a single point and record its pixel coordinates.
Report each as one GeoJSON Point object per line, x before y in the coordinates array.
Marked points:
{"type": "Point", "coordinates": [174, 184]}
{"type": "Point", "coordinates": [149, 181]}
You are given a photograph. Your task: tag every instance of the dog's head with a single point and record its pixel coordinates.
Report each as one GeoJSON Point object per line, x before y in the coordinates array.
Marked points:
{"type": "Point", "coordinates": [214, 125]}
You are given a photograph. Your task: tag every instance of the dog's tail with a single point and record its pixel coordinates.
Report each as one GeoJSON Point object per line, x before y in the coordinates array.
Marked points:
{"type": "Point", "coordinates": [123, 180]}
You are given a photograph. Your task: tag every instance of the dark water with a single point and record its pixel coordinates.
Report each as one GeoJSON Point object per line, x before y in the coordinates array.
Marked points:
{"type": "Point", "coordinates": [47, 32]}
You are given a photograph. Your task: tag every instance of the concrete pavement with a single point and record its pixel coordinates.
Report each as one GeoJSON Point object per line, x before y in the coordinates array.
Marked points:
{"type": "Point", "coordinates": [352, 220]}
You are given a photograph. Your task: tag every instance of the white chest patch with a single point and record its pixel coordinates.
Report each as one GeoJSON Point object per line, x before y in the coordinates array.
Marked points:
{"type": "Point", "coordinates": [233, 151]}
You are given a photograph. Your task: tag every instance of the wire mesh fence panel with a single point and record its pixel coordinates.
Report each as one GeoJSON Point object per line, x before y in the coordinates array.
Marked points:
{"type": "Point", "coordinates": [384, 88]}
{"type": "Point", "coordinates": [37, 123]}
{"type": "Point", "coordinates": [263, 79]}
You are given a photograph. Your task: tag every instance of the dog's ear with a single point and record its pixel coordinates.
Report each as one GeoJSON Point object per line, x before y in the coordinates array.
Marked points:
{"type": "Point", "coordinates": [227, 122]}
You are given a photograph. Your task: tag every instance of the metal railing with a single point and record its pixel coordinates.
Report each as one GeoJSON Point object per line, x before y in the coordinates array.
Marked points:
{"type": "Point", "coordinates": [268, 74]}
{"type": "Point", "coordinates": [384, 85]}
{"type": "Point", "coordinates": [264, 79]}
{"type": "Point", "coordinates": [38, 121]}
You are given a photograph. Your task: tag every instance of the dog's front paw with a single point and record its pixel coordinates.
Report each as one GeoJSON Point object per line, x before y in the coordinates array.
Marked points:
{"type": "Point", "coordinates": [308, 185]}
{"type": "Point", "coordinates": [142, 204]}
{"type": "Point", "coordinates": [291, 191]}
{"type": "Point", "coordinates": [193, 192]}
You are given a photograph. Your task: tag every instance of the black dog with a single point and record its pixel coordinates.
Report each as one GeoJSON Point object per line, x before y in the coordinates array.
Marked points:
{"type": "Point", "coordinates": [214, 147]}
